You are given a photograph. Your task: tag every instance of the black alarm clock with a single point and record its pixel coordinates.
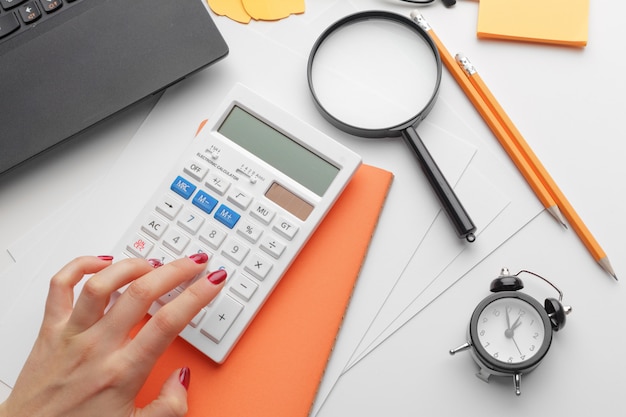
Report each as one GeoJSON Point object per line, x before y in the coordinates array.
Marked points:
{"type": "Point", "coordinates": [510, 332]}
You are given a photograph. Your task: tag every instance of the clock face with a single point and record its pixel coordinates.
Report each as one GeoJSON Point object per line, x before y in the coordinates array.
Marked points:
{"type": "Point", "coordinates": [510, 331]}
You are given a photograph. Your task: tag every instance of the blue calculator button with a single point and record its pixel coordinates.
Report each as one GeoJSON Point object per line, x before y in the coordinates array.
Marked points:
{"type": "Point", "coordinates": [226, 216]}
{"type": "Point", "coordinates": [183, 187]}
{"type": "Point", "coordinates": [204, 201]}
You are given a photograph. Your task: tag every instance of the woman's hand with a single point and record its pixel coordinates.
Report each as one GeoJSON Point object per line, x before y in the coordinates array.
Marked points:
{"type": "Point", "coordinates": [84, 363]}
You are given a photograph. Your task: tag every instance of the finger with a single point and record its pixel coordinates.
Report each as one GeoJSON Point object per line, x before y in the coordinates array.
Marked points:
{"type": "Point", "coordinates": [134, 303]}
{"type": "Point", "coordinates": [60, 301]}
{"type": "Point", "coordinates": [172, 400]}
{"type": "Point", "coordinates": [97, 291]}
{"type": "Point", "coordinates": [159, 332]}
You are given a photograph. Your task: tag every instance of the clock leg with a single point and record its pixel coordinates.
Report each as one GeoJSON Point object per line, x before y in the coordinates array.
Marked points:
{"type": "Point", "coordinates": [483, 374]}
{"type": "Point", "coordinates": [517, 380]}
{"type": "Point", "coordinates": [461, 348]}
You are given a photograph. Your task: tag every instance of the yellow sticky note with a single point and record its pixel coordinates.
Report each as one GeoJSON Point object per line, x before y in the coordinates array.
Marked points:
{"type": "Point", "coordinates": [273, 9]}
{"type": "Point", "coordinates": [561, 22]}
{"type": "Point", "coordinates": [230, 8]}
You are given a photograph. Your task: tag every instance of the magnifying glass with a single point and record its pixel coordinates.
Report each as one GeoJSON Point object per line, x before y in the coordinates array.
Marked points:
{"type": "Point", "coordinates": [376, 74]}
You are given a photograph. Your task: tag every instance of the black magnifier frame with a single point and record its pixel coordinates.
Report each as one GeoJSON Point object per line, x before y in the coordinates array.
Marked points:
{"type": "Point", "coordinates": [457, 214]}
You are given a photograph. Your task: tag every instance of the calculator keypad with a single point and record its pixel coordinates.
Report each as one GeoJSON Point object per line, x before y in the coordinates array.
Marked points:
{"type": "Point", "coordinates": [204, 212]}
{"type": "Point", "coordinates": [250, 189]}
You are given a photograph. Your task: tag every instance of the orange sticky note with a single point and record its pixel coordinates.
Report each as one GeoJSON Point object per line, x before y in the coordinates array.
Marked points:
{"type": "Point", "coordinates": [243, 11]}
{"type": "Point", "coordinates": [275, 369]}
{"type": "Point", "coordinates": [230, 8]}
{"type": "Point", "coordinates": [273, 9]}
{"type": "Point", "coordinates": [561, 22]}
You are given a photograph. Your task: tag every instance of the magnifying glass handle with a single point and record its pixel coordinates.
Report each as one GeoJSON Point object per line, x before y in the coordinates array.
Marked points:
{"type": "Point", "coordinates": [463, 224]}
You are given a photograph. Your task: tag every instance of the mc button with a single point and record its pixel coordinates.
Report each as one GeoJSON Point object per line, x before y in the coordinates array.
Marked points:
{"type": "Point", "coordinates": [183, 187]}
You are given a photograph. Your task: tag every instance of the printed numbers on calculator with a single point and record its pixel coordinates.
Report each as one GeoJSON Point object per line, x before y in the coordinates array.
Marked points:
{"type": "Point", "coordinates": [199, 213]}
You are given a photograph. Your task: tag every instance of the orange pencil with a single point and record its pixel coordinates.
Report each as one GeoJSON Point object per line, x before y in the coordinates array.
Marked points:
{"type": "Point", "coordinates": [515, 145]}
{"type": "Point", "coordinates": [568, 211]}
{"type": "Point", "coordinates": [492, 121]}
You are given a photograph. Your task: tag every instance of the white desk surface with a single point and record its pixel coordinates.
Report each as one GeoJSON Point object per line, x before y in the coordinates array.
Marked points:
{"type": "Point", "coordinates": [569, 103]}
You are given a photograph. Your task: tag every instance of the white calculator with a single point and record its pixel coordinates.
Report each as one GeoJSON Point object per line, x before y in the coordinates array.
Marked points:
{"type": "Point", "coordinates": [249, 192]}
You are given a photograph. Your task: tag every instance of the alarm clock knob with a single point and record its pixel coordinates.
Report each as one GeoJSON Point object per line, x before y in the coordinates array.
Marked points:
{"type": "Point", "coordinates": [557, 313]}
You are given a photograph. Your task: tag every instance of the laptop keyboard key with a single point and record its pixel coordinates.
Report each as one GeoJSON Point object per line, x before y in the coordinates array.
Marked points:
{"type": "Point", "coordinates": [51, 5]}
{"type": "Point", "coordinates": [8, 4]}
{"type": "Point", "coordinates": [8, 24]}
{"type": "Point", "coordinates": [29, 12]}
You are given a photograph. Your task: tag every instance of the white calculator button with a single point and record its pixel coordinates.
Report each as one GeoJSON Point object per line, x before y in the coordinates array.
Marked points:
{"type": "Point", "coordinates": [222, 316]}
{"type": "Point", "coordinates": [175, 240]}
{"type": "Point", "coordinates": [154, 226]}
{"type": "Point", "coordinates": [272, 246]}
{"type": "Point", "coordinates": [243, 287]}
{"type": "Point", "coordinates": [258, 266]}
{"type": "Point", "coordinates": [235, 250]}
{"type": "Point", "coordinates": [190, 221]}
{"type": "Point", "coordinates": [162, 255]}
{"type": "Point", "coordinates": [196, 169]}
{"type": "Point", "coordinates": [139, 246]}
{"type": "Point", "coordinates": [212, 235]}
{"type": "Point", "coordinates": [218, 184]}
{"type": "Point", "coordinates": [169, 206]}
{"type": "Point", "coordinates": [169, 296]}
{"type": "Point", "coordinates": [263, 213]}
{"type": "Point", "coordinates": [250, 231]}
{"type": "Point", "coordinates": [218, 262]}
{"type": "Point", "coordinates": [197, 318]}
{"type": "Point", "coordinates": [240, 198]}
{"type": "Point", "coordinates": [195, 247]}
{"type": "Point", "coordinates": [286, 228]}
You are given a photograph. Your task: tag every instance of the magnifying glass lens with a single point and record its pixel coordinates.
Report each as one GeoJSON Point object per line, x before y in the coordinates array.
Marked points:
{"type": "Point", "coordinates": [374, 74]}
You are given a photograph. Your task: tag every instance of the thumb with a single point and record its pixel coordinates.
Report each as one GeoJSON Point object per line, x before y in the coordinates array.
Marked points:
{"type": "Point", "coordinates": [172, 400]}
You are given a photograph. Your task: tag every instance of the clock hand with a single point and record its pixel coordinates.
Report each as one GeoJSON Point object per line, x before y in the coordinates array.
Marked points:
{"type": "Point", "coordinates": [517, 323]}
{"type": "Point", "coordinates": [511, 330]}
{"type": "Point", "coordinates": [508, 320]}
{"type": "Point", "coordinates": [518, 349]}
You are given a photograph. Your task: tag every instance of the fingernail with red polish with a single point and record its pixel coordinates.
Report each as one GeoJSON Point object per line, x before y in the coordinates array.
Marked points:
{"type": "Point", "coordinates": [199, 258]}
{"type": "Point", "coordinates": [217, 277]}
{"type": "Point", "coordinates": [155, 263]}
{"type": "Point", "coordinates": [185, 377]}
{"type": "Point", "coordinates": [105, 257]}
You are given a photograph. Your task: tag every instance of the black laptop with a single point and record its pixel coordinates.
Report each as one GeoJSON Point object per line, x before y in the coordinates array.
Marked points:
{"type": "Point", "coordinates": [68, 64]}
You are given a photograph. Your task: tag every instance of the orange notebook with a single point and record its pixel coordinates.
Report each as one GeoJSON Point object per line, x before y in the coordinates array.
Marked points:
{"type": "Point", "coordinates": [275, 369]}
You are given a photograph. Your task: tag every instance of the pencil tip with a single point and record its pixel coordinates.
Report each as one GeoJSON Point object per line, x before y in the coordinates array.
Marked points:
{"type": "Point", "coordinates": [606, 265]}
{"type": "Point", "coordinates": [556, 213]}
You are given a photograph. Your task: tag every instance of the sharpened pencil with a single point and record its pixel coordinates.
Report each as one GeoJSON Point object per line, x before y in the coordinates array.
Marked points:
{"type": "Point", "coordinates": [492, 121]}
{"type": "Point", "coordinates": [566, 208]}
{"type": "Point", "coordinates": [516, 147]}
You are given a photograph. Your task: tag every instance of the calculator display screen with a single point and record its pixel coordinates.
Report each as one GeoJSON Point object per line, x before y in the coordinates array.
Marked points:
{"type": "Point", "coordinates": [278, 150]}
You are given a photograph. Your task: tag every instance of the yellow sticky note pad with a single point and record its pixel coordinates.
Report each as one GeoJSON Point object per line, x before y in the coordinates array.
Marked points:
{"type": "Point", "coordinates": [230, 8]}
{"type": "Point", "coordinates": [561, 22]}
{"type": "Point", "coordinates": [243, 11]}
{"type": "Point", "coordinates": [273, 9]}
